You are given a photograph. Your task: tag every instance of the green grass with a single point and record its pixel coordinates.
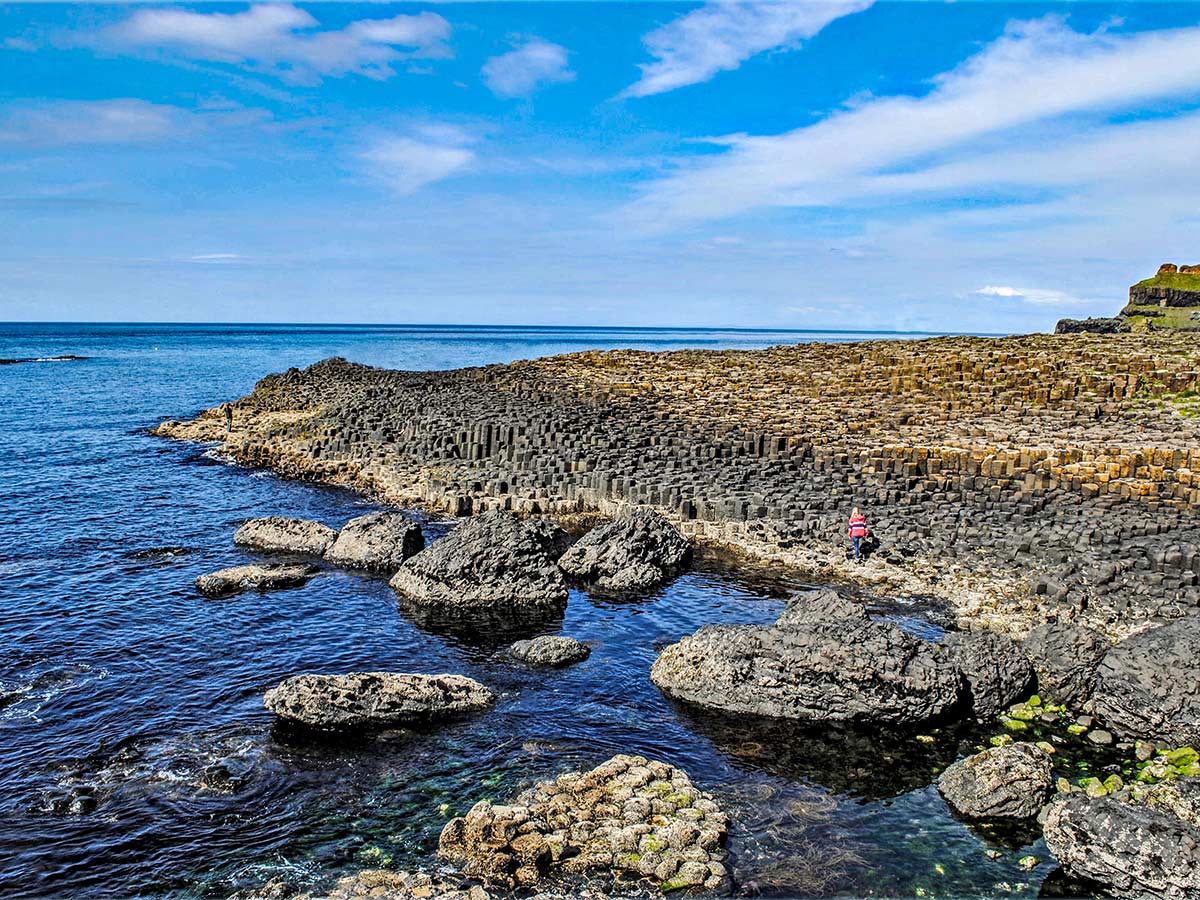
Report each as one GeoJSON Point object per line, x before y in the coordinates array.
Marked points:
{"type": "Point", "coordinates": [1179, 280]}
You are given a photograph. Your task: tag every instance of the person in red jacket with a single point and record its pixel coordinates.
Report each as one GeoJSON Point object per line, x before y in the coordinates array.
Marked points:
{"type": "Point", "coordinates": [857, 531]}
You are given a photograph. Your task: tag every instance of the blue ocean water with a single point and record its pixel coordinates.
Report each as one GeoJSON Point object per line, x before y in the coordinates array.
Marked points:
{"type": "Point", "coordinates": [136, 759]}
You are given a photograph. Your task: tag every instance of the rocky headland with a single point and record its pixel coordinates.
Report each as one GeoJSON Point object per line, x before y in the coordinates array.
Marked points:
{"type": "Point", "coordinates": [1168, 301]}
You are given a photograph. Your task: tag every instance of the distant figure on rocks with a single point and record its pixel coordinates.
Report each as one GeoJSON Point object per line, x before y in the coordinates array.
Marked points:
{"type": "Point", "coordinates": [228, 418]}
{"type": "Point", "coordinates": [857, 531]}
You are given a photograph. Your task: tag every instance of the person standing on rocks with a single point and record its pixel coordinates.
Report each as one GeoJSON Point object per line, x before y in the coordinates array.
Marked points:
{"type": "Point", "coordinates": [857, 531]}
{"type": "Point", "coordinates": [228, 418]}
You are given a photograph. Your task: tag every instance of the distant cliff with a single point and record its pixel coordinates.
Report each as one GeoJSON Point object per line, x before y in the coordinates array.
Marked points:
{"type": "Point", "coordinates": [1170, 301]}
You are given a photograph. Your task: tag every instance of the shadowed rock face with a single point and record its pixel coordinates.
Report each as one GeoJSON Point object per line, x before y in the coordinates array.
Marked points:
{"type": "Point", "coordinates": [1148, 685]}
{"type": "Point", "coordinates": [639, 549]}
{"type": "Point", "coordinates": [1010, 782]}
{"type": "Point", "coordinates": [847, 671]}
{"type": "Point", "coordinates": [281, 535]}
{"type": "Point", "coordinates": [378, 542]}
{"type": "Point", "coordinates": [997, 670]}
{"type": "Point", "coordinates": [1065, 657]}
{"type": "Point", "coordinates": [374, 699]}
{"type": "Point", "coordinates": [550, 650]}
{"type": "Point", "coordinates": [493, 562]}
{"type": "Point", "coordinates": [237, 579]}
{"type": "Point", "coordinates": [628, 815]}
{"type": "Point", "coordinates": [1137, 851]}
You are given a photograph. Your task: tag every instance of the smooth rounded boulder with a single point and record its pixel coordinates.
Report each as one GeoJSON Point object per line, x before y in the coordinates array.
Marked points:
{"type": "Point", "coordinates": [239, 579]}
{"type": "Point", "coordinates": [362, 700]}
{"type": "Point", "coordinates": [1148, 685]}
{"type": "Point", "coordinates": [637, 550]}
{"type": "Point", "coordinates": [377, 542]}
{"type": "Point", "coordinates": [835, 671]}
{"type": "Point", "coordinates": [998, 672]}
{"type": "Point", "coordinates": [553, 651]}
{"type": "Point", "coordinates": [1065, 657]}
{"type": "Point", "coordinates": [277, 534]}
{"type": "Point", "coordinates": [494, 562]}
{"type": "Point", "coordinates": [1011, 782]}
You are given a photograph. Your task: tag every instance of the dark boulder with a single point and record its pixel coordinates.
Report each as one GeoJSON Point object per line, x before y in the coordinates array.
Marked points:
{"type": "Point", "coordinates": [997, 670]}
{"type": "Point", "coordinates": [550, 650]}
{"type": "Point", "coordinates": [276, 534]}
{"type": "Point", "coordinates": [237, 579]}
{"type": "Point", "coordinates": [494, 561]}
{"type": "Point", "coordinates": [1148, 685]}
{"type": "Point", "coordinates": [1065, 657]}
{"type": "Point", "coordinates": [1011, 782]}
{"type": "Point", "coordinates": [823, 605]}
{"type": "Point", "coordinates": [378, 542]}
{"type": "Point", "coordinates": [374, 699]}
{"type": "Point", "coordinates": [635, 551]}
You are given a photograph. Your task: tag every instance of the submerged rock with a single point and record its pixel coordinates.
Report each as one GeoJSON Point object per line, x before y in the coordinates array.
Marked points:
{"type": "Point", "coordinates": [997, 670]}
{"type": "Point", "coordinates": [494, 561]}
{"type": "Point", "coordinates": [378, 542]}
{"type": "Point", "coordinates": [845, 671]}
{"type": "Point", "coordinates": [1148, 685]}
{"type": "Point", "coordinates": [628, 815]}
{"type": "Point", "coordinates": [1065, 657]}
{"type": "Point", "coordinates": [389, 884]}
{"type": "Point", "coordinates": [550, 650]}
{"type": "Point", "coordinates": [277, 534]}
{"type": "Point", "coordinates": [374, 699]}
{"type": "Point", "coordinates": [237, 579]}
{"type": "Point", "coordinates": [1145, 849]}
{"type": "Point", "coordinates": [639, 549]}
{"type": "Point", "coordinates": [1011, 782]}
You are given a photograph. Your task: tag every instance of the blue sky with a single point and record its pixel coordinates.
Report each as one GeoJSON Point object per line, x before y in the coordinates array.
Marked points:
{"type": "Point", "coordinates": [962, 167]}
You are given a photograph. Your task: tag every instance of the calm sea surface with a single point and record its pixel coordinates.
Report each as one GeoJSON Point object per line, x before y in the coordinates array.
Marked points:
{"type": "Point", "coordinates": [136, 759]}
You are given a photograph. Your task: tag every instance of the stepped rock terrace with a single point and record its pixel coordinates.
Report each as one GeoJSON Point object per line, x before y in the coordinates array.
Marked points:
{"type": "Point", "coordinates": [1021, 479]}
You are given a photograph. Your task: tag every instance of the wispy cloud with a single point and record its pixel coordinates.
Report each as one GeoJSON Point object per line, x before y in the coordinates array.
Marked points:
{"type": "Point", "coordinates": [521, 71]}
{"type": "Point", "coordinates": [947, 140]}
{"type": "Point", "coordinates": [407, 162]}
{"type": "Point", "coordinates": [283, 40]}
{"type": "Point", "coordinates": [119, 121]}
{"type": "Point", "coordinates": [721, 36]}
{"type": "Point", "coordinates": [1036, 296]}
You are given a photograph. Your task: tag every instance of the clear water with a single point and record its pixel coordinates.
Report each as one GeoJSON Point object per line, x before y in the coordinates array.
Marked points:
{"type": "Point", "coordinates": [136, 759]}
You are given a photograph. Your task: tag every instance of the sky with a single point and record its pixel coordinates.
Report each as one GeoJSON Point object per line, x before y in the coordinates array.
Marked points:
{"type": "Point", "coordinates": [972, 166]}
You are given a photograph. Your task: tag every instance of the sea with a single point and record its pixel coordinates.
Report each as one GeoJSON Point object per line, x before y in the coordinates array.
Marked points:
{"type": "Point", "coordinates": [137, 760]}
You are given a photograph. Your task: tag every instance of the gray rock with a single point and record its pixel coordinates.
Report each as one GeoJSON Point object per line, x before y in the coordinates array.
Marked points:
{"type": "Point", "coordinates": [494, 561]}
{"type": "Point", "coordinates": [550, 650]}
{"type": "Point", "coordinates": [1139, 851]}
{"type": "Point", "coordinates": [635, 551]}
{"type": "Point", "coordinates": [238, 579]}
{"type": "Point", "coordinates": [828, 671]}
{"type": "Point", "coordinates": [1148, 685]}
{"type": "Point", "coordinates": [823, 605]}
{"type": "Point", "coordinates": [374, 699]}
{"type": "Point", "coordinates": [378, 541]}
{"type": "Point", "coordinates": [281, 535]}
{"type": "Point", "coordinates": [1065, 657]}
{"type": "Point", "coordinates": [1010, 782]}
{"type": "Point", "coordinates": [997, 670]}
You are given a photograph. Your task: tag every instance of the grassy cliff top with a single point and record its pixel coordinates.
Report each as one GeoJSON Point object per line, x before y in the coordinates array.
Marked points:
{"type": "Point", "coordinates": [1183, 281]}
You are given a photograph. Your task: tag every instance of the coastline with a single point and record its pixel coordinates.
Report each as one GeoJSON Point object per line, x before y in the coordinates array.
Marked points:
{"type": "Point", "coordinates": [1020, 480]}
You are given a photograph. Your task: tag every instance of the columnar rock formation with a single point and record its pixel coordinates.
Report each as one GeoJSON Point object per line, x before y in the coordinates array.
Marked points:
{"type": "Point", "coordinates": [1066, 467]}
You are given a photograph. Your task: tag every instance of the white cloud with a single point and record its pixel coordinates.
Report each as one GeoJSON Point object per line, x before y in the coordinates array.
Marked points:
{"type": "Point", "coordinates": [719, 37]}
{"type": "Point", "coordinates": [283, 39]}
{"type": "Point", "coordinates": [119, 121]}
{"type": "Point", "coordinates": [526, 68]}
{"type": "Point", "coordinates": [1036, 296]}
{"type": "Point", "coordinates": [408, 162]}
{"type": "Point", "coordinates": [946, 139]}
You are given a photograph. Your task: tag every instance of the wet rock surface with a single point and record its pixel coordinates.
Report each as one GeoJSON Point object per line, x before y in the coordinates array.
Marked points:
{"type": "Point", "coordinates": [550, 650]}
{"type": "Point", "coordinates": [1147, 849]}
{"type": "Point", "coordinates": [494, 561]}
{"type": "Point", "coordinates": [377, 542]}
{"type": "Point", "coordinates": [387, 884]}
{"type": "Point", "coordinates": [840, 671]}
{"type": "Point", "coordinates": [277, 534]}
{"type": "Point", "coordinates": [1065, 657]}
{"type": "Point", "coordinates": [997, 670]}
{"type": "Point", "coordinates": [628, 816]}
{"type": "Point", "coordinates": [824, 605]}
{"type": "Point", "coordinates": [362, 700]}
{"type": "Point", "coordinates": [238, 579]}
{"type": "Point", "coordinates": [1148, 685]}
{"type": "Point", "coordinates": [1011, 782]}
{"type": "Point", "coordinates": [637, 550]}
